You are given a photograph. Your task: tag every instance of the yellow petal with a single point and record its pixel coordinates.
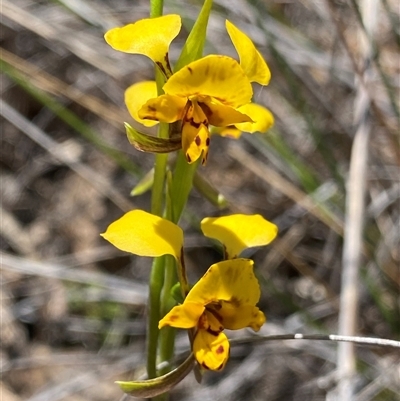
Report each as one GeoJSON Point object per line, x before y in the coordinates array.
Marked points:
{"type": "Point", "coordinates": [231, 280]}
{"type": "Point", "coordinates": [164, 108]}
{"type": "Point", "coordinates": [183, 316]}
{"type": "Point", "coordinates": [228, 132]}
{"type": "Point", "coordinates": [195, 134]}
{"type": "Point", "coordinates": [220, 115]}
{"type": "Point", "coordinates": [235, 318]}
{"type": "Point", "coordinates": [251, 60]}
{"type": "Point", "coordinates": [210, 351]}
{"type": "Point", "coordinates": [145, 234]}
{"type": "Point", "coordinates": [262, 117]}
{"type": "Point", "coordinates": [239, 231]}
{"type": "Point", "coordinates": [150, 37]}
{"type": "Point", "coordinates": [220, 77]}
{"type": "Point", "coordinates": [136, 96]}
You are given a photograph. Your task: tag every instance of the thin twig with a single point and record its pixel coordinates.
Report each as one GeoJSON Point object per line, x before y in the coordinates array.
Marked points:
{"type": "Point", "coordinates": [381, 342]}
{"type": "Point", "coordinates": [354, 223]}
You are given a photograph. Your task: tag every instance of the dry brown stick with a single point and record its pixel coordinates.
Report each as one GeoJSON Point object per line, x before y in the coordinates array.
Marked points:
{"type": "Point", "coordinates": [380, 115]}
{"type": "Point", "coordinates": [354, 219]}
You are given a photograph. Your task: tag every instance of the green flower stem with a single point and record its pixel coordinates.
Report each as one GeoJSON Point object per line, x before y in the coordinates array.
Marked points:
{"type": "Point", "coordinates": [157, 271]}
{"type": "Point", "coordinates": [167, 334]}
{"type": "Point", "coordinates": [156, 8]}
{"type": "Point", "coordinates": [155, 288]}
{"type": "Point", "coordinates": [181, 185]}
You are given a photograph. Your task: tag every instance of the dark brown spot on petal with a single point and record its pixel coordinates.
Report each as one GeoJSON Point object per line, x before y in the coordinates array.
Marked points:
{"type": "Point", "coordinates": [197, 140]}
{"type": "Point", "coordinates": [214, 332]}
{"type": "Point", "coordinates": [152, 108]}
{"type": "Point", "coordinates": [160, 65]}
{"type": "Point", "coordinates": [194, 124]}
{"type": "Point", "coordinates": [235, 302]}
{"type": "Point", "coordinates": [220, 349]}
{"type": "Point", "coordinates": [205, 366]}
{"type": "Point", "coordinates": [208, 142]}
{"type": "Point", "coordinates": [206, 110]}
{"type": "Point", "coordinates": [190, 70]}
{"type": "Point", "coordinates": [188, 158]}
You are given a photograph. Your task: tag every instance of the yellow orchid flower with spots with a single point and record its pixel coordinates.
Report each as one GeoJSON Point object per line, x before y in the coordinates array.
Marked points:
{"type": "Point", "coordinates": [224, 298]}
{"type": "Point", "coordinates": [214, 90]}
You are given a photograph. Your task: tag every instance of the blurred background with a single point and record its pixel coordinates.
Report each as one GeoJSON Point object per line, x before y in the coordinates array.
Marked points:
{"type": "Point", "coordinates": [73, 308]}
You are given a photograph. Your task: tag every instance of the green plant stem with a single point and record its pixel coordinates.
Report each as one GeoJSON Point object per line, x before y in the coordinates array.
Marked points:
{"type": "Point", "coordinates": [156, 8]}
{"type": "Point", "coordinates": [155, 286]}
{"type": "Point", "coordinates": [167, 334]}
{"type": "Point", "coordinates": [181, 185]}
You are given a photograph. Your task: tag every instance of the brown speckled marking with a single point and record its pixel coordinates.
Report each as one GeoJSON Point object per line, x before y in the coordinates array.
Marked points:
{"type": "Point", "coordinates": [206, 110]}
{"type": "Point", "coordinates": [205, 366]}
{"type": "Point", "coordinates": [220, 349]}
{"type": "Point", "coordinates": [194, 124]}
{"type": "Point", "coordinates": [188, 158]}
{"type": "Point", "coordinates": [208, 142]}
{"type": "Point", "coordinates": [234, 301]}
{"type": "Point", "coordinates": [190, 70]}
{"type": "Point", "coordinates": [197, 140]}
{"type": "Point", "coordinates": [152, 108]}
{"type": "Point", "coordinates": [213, 332]}
{"type": "Point", "coordinates": [161, 66]}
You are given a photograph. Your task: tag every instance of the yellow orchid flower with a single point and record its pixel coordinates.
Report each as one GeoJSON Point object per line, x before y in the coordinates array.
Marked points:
{"type": "Point", "coordinates": [214, 90]}
{"type": "Point", "coordinates": [239, 231]}
{"type": "Point", "coordinates": [224, 298]}
{"type": "Point", "coordinates": [206, 91]}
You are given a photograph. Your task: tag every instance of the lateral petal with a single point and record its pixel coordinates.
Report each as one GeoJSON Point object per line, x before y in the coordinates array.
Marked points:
{"type": "Point", "coordinates": [220, 115]}
{"type": "Point", "coordinates": [136, 96]}
{"type": "Point", "coordinates": [164, 108]}
{"type": "Point", "coordinates": [183, 316]}
{"type": "Point", "coordinates": [235, 318]}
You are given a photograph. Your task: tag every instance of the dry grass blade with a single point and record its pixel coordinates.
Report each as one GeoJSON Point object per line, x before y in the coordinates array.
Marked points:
{"type": "Point", "coordinates": [284, 186]}
{"type": "Point", "coordinates": [48, 83]}
{"type": "Point", "coordinates": [134, 293]}
{"type": "Point", "coordinates": [68, 39]}
{"type": "Point", "coordinates": [354, 223]}
{"type": "Point", "coordinates": [61, 153]}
